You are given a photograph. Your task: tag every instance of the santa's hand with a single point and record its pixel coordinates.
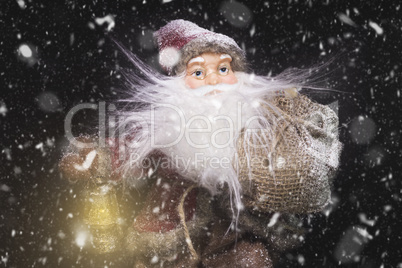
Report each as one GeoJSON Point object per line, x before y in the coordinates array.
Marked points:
{"type": "Point", "coordinates": [86, 163]}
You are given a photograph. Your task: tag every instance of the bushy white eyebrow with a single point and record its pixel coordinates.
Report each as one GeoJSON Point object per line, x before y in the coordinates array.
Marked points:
{"type": "Point", "coordinates": [225, 56]}
{"type": "Point", "coordinates": [196, 59]}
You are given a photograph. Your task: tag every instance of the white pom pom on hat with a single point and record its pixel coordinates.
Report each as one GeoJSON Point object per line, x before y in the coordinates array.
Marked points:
{"type": "Point", "coordinates": [181, 40]}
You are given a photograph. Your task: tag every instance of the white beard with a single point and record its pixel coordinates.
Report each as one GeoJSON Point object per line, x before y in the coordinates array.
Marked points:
{"type": "Point", "coordinates": [168, 116]}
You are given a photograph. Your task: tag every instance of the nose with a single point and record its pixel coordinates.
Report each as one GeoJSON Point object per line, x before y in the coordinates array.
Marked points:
{"type": "Point", "coordinates": [212, 79]}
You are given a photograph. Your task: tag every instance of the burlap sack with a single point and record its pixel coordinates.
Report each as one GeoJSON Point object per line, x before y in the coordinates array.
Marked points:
{"type": "Point", "coordinates": [293, 175]}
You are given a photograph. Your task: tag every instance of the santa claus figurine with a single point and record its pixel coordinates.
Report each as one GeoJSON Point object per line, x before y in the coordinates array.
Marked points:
{"type": "Point", "coordinates": [230, 158]}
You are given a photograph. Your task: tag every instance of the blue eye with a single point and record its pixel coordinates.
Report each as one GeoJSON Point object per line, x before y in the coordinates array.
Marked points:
{"type": "Point", "coordinates": [198, 73]}
{"type": "Point", "coordinates": [223, 70]}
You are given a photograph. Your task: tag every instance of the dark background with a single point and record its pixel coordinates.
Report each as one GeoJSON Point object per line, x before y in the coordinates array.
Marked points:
{"type": "Point", "coordinates": [74, 60]}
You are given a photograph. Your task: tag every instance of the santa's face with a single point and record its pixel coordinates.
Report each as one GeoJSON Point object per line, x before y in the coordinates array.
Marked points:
{"type": "Point", "coordinates": [209, 69]}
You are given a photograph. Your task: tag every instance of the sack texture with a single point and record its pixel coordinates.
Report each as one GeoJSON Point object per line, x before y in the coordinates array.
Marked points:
{"type": "Point", "coordinates": [293, 173]}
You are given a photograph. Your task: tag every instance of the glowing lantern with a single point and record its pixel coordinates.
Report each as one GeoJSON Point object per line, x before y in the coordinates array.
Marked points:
{"type": "Point", "coordinates": [101, 214]}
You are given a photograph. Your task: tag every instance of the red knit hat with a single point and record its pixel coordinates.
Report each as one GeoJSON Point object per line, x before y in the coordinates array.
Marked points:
{"type": "Point", "coordinates": [181, 40]}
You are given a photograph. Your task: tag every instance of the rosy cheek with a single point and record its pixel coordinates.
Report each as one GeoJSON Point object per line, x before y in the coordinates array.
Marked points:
{"type": "Point", "coordinates": [193, 83]}
{"type": "Point", "coordinates": [230, 79]}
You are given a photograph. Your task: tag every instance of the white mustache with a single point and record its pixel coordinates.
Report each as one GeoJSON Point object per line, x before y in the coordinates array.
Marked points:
{"type": "Point", "coordinates": [204, 90]}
